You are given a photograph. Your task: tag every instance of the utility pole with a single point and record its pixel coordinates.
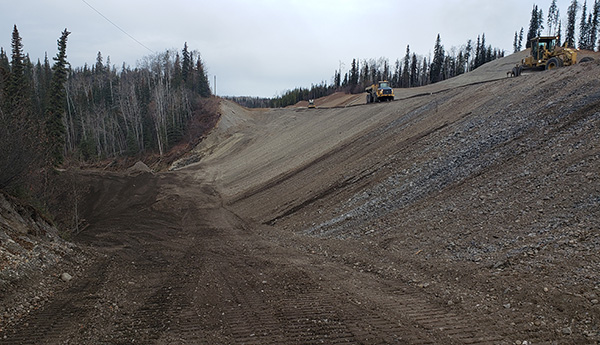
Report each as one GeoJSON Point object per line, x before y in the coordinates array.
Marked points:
{"type": "Point", "coordinates": [215, 85]}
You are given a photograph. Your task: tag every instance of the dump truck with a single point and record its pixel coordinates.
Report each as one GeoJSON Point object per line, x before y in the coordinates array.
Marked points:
{"type": "Point", "coordinates": [379, 92]}
{"type": "Point", "coordinates": [546, 53]}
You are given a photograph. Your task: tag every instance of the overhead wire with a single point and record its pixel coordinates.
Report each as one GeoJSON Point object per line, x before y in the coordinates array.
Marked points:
{"type": "Point", "coordinates": [116, 26]}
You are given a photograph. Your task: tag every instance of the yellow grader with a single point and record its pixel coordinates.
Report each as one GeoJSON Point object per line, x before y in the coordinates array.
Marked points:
{"type": "Point", "coordinates": [546, 54]}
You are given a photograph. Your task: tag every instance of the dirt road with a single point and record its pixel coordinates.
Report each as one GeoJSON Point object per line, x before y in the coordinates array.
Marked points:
{"type": "Point", "coordinates": [466, 215]}
{"type": "Point", "coordinates": [179, 267]}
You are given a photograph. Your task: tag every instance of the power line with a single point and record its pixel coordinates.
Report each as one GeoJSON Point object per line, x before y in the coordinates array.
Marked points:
{"type": "Point", "coordinates": [116, 26]}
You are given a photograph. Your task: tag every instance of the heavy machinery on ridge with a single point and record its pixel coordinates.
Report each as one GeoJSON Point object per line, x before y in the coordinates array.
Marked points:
{"type": "Point", "coordinates": [379, 92]}
{"type": "Point", "coordinates": [546, 53]}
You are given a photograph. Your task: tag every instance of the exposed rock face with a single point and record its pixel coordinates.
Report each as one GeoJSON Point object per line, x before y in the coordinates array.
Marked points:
{"type": "Point", "coordinates": [32, 255]}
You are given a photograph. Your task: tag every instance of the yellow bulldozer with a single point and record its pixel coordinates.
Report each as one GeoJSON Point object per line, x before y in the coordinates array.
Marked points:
{"type": "Point", "coordinates": [546, 53]}
{"type": "Point", "coordinates": [379, 92]}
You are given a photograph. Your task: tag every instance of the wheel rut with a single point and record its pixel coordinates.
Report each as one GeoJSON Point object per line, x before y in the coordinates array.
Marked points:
{"type": "Point", "coordinates": [204, 276]}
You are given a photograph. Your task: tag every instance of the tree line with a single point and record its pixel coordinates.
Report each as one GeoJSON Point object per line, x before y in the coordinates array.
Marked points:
{"type": "Point", "coordinates": [50, 112]}
{"type": "Point", "coordinates": [411, 71]}
{"type": "Point", "coordinates": [589, 26]}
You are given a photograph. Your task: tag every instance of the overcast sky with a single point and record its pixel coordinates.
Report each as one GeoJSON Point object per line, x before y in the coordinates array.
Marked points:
{"type": "Point", "coordinates": [262, 47]}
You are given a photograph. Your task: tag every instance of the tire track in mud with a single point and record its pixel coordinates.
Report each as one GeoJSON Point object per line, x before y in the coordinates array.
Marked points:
{"type": "Point", "coordinates": [64, 314]}
{"type": "Point", "coordinates": [211, 278]}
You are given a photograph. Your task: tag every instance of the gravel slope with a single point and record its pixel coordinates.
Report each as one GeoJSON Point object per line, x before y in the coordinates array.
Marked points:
{"type": "Point", "coordinates": [487, 194]}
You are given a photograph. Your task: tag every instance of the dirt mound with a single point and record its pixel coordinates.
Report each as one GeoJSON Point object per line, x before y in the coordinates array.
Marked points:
{"type": "Point", "coordinates": [139, 168]}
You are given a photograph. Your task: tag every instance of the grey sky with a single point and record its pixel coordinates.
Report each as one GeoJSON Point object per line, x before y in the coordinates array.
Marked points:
{"type": "Point", "coordinates": [262, 47]}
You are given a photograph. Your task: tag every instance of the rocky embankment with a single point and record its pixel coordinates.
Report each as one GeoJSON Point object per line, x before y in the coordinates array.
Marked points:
{"type": "Point", "coordinates": [35, 262]}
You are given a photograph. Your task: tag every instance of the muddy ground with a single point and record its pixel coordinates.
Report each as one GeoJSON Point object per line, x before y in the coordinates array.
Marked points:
{"type": "Point", "coordinates": [462, 213]}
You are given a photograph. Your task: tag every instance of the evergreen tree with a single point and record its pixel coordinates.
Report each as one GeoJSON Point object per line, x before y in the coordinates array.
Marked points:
{"type": "Point", "coordinates": [481, 58]}
{"type": "Point", "coordinates": [406, 79]}
{"type": "Point", "coordinates": [475, 62]}
{"type": "Point", "coordinates": [520, 45]}
{"type": "Point", "coordinates": [571, 19]}
{"type": "Point", "coordinates": [186, 63]}
{"type": "Point", "coordinates": [17, 86]}
{"type": "Point", "coordinates": [177, 72]}
{"type": "Point", "coordinates": [460, 63]}
{"type": "Point", "coordinates": [559, 33]}
{"type": "Point", "coordinates": [533, 26]}
{"type": "Point", "coordinates": [553, 17]}
{"type": "Point", "coordinates": [385, 74]}
{"type": "Point", "coordinates": [19, 139]}
{"type": "Point", "coordinates": [540, 24]}
{"type": "Point", "coordinates": [414, 70]}
{"type": "Point", "coordinates": [353, 78]}
{"type": "Point", "coordinates": [438, 61]}
{"type": "Point", "coordinates": [397, 75]}
{"type": "Point", "coordinates": [365, 75]}
{"type": "Point", "coordinates": [584, 29]}
{"type": "Point", "coordinates": [56, 106]}
{"type": "Point", "coordinates": [516, 43]}
{"type": "Point", "coordinates": [4, 73]}
{"type": "Point", "coordinates": [203, 84]}
{"type": "Point", "coordinates": [468, 52]}
{"type": "Point", "coordinates": [423, 79]}
{"type": "Point", "coordinates": [594, 26]}
{"type": "Point", "coordinates": [99, 67]}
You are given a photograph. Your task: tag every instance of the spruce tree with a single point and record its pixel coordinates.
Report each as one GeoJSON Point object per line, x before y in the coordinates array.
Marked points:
{"type": "Point", "coordinates": [540, 24]}
{"type": "Point", "coordinates": [19, 143]}
{"type": "Point", "coordinates": [584, 32]}
{"type": "Point", "coordinates": [559, 33]}
{"type": "Point", "coordinates": [533, 26]}
{"type": "Point", "coordinates": [594, 24]}
{"type": "Point", "coordinates": [4, 72]}
{"type": "Point", "coordinates": [553, 16]}
{"type": "Point", "coordinates": [186, 63]}
{"type": "Point", "coordinates": [481, 54]}
{"type": "Point", "coordinates": [406, 80]}
{"type": "Point", "coordinates": [414, 70]}
{"type": "Point", "coordinates": [16, 86]}
{"type": "Point", "coordinates": [202, 79]}
{"type": "Point", "coordinates": [520, 46]}
{"type": "Point", "coordinates": [438, 61]}
{"type": "Point", "coordinates": [571, 19]}
{"type": "Point", "coordinates": [397, 75]}
{"type": "Point", "coordinates": [460, 63]}
{"type": "Point", "coordinates": [177, 73]}
{"type": "Point", "coordinates": [475, 62]}
{"type": "Point", "coordinates": [353, 79]}
{"type": "Point", "coordinates": [99, 68]}
{"type": "Point", "coordinates": [468, 52]}
{"type": "Point", "coordinates": [55, 128]}
{"type": "Point", "coordinates": [423, 80]}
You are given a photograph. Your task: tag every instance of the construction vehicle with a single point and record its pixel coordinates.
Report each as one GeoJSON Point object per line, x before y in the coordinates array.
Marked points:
{"type": "Point", "coordinates": [546, 53]}
{"type": "Point", "coordinates": [311, 103]}
{"type": "Point", "coordinates": [379, 92]}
